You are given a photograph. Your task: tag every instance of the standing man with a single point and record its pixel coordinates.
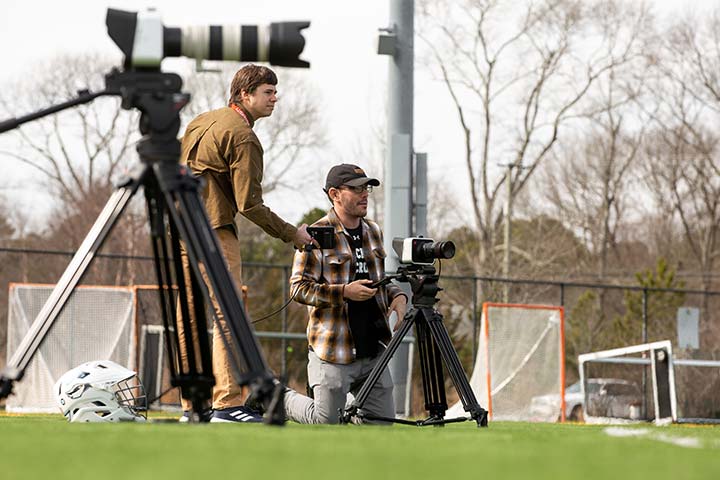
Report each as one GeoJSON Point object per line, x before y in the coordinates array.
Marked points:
{"type": "Point", "coordinates": [221, 147]}
{"type": "Point", "coordinates": [348, 328]}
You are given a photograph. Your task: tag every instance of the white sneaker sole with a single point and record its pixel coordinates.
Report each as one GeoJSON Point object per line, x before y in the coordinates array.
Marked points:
{"type": "Point", "coordinates": [222, 420]}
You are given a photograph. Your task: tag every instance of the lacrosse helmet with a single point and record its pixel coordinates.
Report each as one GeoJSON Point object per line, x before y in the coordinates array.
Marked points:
{"type": "Point", "coordinates": [101, 391]}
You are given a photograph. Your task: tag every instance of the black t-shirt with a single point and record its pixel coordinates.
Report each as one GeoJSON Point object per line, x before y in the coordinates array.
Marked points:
{"type": "Point", "coordinates": [362, 316]}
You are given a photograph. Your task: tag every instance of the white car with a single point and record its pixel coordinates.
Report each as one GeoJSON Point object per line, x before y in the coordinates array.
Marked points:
{"type": "Point", "coordinates": [607, 397]}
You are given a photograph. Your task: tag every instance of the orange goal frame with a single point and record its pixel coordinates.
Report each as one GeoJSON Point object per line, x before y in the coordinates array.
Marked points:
{"type": "Point", "coordinates": [560, 310]}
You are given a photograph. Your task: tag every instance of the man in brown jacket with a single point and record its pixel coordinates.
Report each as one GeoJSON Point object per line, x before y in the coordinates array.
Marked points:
{"type": "Point", "coordinates": [221, 147]}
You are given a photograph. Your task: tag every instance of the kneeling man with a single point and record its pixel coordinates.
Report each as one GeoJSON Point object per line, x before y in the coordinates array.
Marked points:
{"type": "Point", "coordinates": [348, 328]}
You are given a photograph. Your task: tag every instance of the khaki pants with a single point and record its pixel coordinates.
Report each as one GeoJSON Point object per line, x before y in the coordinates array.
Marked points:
{"type": "Point", "coordinates": [226, 393]}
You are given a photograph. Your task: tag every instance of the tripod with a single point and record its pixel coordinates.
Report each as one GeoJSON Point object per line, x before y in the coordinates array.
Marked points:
{"type": "Point", "coordinates": [434, 347]}
{"type": "Point", "coordinates": [176, 213]}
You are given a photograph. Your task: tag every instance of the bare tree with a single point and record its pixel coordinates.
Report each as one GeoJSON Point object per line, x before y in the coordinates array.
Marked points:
{"type": "Point", "coordinates": [80, 152]}
{"type": "Point", "coordinates": [683, 156]}
{"type": "Point", "coordinates": [589, 182]}
{"type": "Point", "coordinates": [683, 160]}
{"type": "Point", "coordinates": [76, 156]}
{"type": "Point", "coordinates": [516, 76]}
{"type": "Point", "coordinates": [590, 191]}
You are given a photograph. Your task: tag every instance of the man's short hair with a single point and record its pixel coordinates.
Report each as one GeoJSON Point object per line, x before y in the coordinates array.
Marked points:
{"type": "Point", "coordinates": [248, 78]}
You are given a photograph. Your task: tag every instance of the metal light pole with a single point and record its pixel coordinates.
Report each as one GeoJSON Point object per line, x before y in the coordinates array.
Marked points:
{"type": "Point", "coordinates": [421, 194]}
{"type": "Point", "coordinates": [396, 41]}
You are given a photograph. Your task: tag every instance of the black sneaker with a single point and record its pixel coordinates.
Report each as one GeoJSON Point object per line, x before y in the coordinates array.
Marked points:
{"type": "Point", "coordinates": [253, 404]}
{"type": "Point", "coordinates": [235, 415]}
{"type": "Point", "coordinates": [205, 416]}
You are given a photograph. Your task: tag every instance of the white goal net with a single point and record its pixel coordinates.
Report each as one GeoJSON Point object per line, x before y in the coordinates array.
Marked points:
{"type": "Point", "coordinates": [648, 382]}
{"type": "Point", "coordinates": [97, 323]}
{"type": "Point", "coordinates": [519, 371]}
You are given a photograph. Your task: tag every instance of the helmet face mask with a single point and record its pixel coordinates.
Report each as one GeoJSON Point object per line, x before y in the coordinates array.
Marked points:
{"type": "Point", "coordinates": [101, 391]}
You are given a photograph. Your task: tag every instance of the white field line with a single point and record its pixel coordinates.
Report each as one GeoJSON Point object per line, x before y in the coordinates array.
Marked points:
{"type": "Point", "coordinates": [687, 442]}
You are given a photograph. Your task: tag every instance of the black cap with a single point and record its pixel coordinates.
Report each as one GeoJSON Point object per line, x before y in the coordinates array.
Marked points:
{"type": "Point", "coordinates": [346, 174]}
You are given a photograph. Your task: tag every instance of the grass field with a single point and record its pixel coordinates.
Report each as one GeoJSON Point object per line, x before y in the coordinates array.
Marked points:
{"type": "Point", "coordinates": [48, 447]}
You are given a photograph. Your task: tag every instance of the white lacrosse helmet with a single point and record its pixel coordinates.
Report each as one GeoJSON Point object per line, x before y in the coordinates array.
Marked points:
{"type": "Point", "coordinates": [101, 391]}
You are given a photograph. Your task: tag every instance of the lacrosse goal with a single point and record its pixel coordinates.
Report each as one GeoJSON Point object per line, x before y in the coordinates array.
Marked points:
{"type": "Point", "coordinates": [519, 371]}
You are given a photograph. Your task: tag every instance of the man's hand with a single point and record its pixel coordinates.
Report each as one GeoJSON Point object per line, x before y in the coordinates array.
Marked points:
{"type": "Point", "coordinates": [358, 290]}
{"type": "Point", "coordinates": [302, 237]}
{"type": "Point", "coordinates": [399, 306]}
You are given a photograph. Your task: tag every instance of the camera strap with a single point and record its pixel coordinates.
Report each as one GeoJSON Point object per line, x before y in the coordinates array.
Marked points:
{"type": "Point", "coordinates": [240, 111]}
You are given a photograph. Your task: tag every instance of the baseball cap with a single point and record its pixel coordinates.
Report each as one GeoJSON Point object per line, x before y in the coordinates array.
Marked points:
{"type": "Point", "coordinates": [347, 174]}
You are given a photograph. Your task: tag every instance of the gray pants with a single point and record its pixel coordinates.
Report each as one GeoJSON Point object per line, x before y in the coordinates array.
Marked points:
{"type": "Point", "coordinates": [331, 383]}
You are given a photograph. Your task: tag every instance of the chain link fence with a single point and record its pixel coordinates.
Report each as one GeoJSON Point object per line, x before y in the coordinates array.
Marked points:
{"type": "Point", "coordinates": [597, 316]}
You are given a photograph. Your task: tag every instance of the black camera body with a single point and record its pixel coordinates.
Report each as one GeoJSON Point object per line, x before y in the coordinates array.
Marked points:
{"type": "Point", "coordinates": [422, 251]}
{"type": "Point", "coordinates": [325, 236]}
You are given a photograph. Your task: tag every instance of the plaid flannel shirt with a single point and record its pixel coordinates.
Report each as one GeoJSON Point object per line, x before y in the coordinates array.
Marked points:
{"type": "Point", "coordinates": [319, 277]}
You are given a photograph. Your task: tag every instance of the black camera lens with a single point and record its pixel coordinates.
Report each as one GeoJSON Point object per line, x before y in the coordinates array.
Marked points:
{"type": "Point", "coordinates": [442, 250]}
{"type": "Point", "coordinates": [429, 251]}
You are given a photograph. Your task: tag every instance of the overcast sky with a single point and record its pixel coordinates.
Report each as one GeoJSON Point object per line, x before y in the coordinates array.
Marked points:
{"type": "Point", "coordinates": [346, 70]}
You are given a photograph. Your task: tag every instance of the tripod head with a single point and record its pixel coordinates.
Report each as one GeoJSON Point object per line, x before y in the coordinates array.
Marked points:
{"type": "Point", "coordinates": [423, 281]}
{"type": "Point", "coordinates": [158, 97]}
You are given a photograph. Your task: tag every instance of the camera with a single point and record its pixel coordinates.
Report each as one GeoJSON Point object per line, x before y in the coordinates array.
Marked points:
{"type": "Point", "coordinates": [325, 236]}
{"type": "Point", "coordinates": [422, 251]}
{"type": "Point", "coordinates": [145, 41]}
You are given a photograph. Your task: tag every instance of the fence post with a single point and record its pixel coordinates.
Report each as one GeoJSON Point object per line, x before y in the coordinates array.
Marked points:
{"type": "Point", "coordinates": [474, 317]}
{"type": "Point", "coordinates": [645, 315]}
{"type": "Point", "coordinates": [283, 342]}
{"type": "Point", "coordinates": [645, 340]}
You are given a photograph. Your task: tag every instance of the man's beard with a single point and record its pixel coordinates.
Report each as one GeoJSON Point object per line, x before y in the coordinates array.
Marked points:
{"type": "Point", "coordinates": [359, 212]}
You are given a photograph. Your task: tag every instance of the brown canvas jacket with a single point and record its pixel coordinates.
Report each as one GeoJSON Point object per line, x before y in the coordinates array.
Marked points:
{"type": "Point", "coordinates": [222, 148]}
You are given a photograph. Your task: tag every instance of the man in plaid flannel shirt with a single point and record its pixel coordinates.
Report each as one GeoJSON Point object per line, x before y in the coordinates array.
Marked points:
{"type": "Point", "coordinates": [348, 329]}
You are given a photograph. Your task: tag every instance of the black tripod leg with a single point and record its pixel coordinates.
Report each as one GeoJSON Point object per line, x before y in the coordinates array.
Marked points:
{"type": "Point", "coordinates": [431, 368]}
{"type": "Point", "coordinates": [454, 367]}
{"type": "Point", "coordinates": [377, 370]}
{"type": "Point", "coordinates": [193, 374]}
{"type": "Point", "coordinates": [188, 214]}
{"type": "Point", "coordinates": [15, 368]}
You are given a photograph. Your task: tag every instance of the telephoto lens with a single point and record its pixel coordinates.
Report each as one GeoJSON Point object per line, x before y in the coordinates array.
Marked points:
{"type": "Point", "coordinates": [278, 43]}
{"type": "Point", "coordinates": [145, 41]}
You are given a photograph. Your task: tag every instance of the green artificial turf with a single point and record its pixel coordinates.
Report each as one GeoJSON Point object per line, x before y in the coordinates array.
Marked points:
{"type": "Point", "coordinates": [48, 447]}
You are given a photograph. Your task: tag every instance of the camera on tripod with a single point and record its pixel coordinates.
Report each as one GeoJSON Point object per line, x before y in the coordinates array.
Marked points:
{"type": "Point", "coordinates": [437, 353]}
{"type": "Point", "coordinates": [175, 207]}
{"type": "Point", "coordinates": [422, 251]}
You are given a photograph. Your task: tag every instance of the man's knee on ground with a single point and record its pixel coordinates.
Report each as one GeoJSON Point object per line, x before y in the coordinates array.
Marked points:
{"type": "Point", "coordinates": [329, 399]}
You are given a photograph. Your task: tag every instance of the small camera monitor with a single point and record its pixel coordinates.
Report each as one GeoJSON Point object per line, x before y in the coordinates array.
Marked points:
{"type": "Point", "coordinates": [325, 236]}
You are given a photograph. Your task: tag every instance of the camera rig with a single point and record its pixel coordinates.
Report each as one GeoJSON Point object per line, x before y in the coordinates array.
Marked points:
{"type": "Point", "coordinates": [176, 213]}
{"type": "Point", "coordinates": [435, 347]}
